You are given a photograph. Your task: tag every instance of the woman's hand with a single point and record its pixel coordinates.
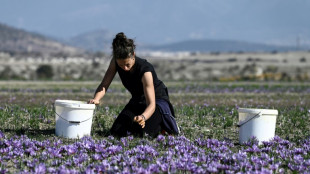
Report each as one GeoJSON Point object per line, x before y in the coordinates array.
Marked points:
{"type": "Point", "coordinates": [93, 101]}
{"type": "Point", "coordinates": [140, 119]}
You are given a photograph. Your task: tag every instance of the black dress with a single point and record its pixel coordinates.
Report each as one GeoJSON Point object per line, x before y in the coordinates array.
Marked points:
{"type": "Point", "coordinates": [132, 80]}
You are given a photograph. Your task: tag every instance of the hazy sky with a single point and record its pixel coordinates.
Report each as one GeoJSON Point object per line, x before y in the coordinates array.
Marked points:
{"type": "Point", "coordinates": [165, 21]}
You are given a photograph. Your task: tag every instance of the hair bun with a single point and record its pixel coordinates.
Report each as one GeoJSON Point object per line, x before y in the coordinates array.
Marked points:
{"type": "Point", "coordinates": [122, 47]}
{"type": "Point", "coordinates": [121, 35]}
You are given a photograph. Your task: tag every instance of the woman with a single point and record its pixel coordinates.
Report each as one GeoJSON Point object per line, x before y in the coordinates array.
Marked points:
{"type": "Point", "coordinates": [149, 106]}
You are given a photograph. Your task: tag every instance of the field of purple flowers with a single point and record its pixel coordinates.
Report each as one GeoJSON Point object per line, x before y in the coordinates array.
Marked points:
{"type": "Point", "coordinates": [206, 113]}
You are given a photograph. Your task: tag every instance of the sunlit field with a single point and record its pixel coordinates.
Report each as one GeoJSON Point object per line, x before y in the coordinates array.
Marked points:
{"type": "Point", "coordinates": [207, 114]}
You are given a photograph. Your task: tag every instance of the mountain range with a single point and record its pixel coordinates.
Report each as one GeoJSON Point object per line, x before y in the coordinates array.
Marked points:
{"type": "Point", "coordinates": [18, 41]}
{"type": "Point", "coordinates": [15, 40]}
{"type": "Point", "coordinates": [100, 40]}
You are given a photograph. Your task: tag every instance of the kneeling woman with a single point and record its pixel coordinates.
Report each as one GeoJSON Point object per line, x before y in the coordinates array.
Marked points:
{"type": "Point", "coordinates": [149, 110]}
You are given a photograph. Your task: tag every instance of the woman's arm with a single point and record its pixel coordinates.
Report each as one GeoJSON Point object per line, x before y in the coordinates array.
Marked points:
{"type": "Point", "coordinates": [149, 93]}
{"type": "Point", "coordinates": [105, 83]}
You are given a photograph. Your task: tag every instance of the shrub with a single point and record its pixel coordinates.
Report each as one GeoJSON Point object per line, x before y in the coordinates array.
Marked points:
{"type": "Point", "coordinates": [9, 74]}
{"type": "Point", "coordinates": [303, 59]}
{"type": "Point", "coordinates": [45, 72]}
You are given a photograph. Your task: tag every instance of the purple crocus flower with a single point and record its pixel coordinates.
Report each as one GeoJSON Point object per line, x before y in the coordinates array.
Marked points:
{"type": "Point", "coordinates": [57, 142]}
{"type": "Point", "coordinates": [63, 170]}
{"type": "Point", "coordinates": [299, 151]}
{"type": "Point", "coordinates": [293, 167]}
{"type": "Point", "coordinates": [30, 164]}
{"type": "Point", "coordinates": [164, 167]}
{"type": "Point", "coordinates": [54, 152]}
{"type": "Point", "coordinates": [275, 166]}
{"type": "Point", "coordinates": [71, 149]}
{"type": "Point", "coordinates": [56, 162]}
{"type": "Point", "coordinates": [160, 138]}
{"type": "Point", "coordinates": [97, 157]}
{"type": "Point", "coordinates": [212, 169]}
{"type": "Point", "coordinates": [124, 141]}
{"type": "Point", "coordinates": [4, 170]}
{"type": "Point", "coordinates": [253, 149]}
{"type": "Point", "coordinates": [89, 171]}
{"type": "Point", "coordinates": [40, 168]}
{"type": "Point", "coordinates": [114, 149]}
{"type": "Point", "coordinates": [154, 168]}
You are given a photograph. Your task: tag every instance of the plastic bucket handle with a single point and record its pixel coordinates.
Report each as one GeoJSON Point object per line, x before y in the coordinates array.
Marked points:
{"type": "Point", "coordinates": [73, 121]}
{"type": "Point", "coordinates": [249, 119]}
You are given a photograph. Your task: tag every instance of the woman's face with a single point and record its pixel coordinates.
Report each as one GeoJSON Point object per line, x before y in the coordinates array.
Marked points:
{"type": "Point", "coordinates": [126, 64]}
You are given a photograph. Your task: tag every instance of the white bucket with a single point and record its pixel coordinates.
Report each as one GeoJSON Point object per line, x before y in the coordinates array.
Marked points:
{"type": "Point", "coordinates": [259, 123]}
{"type": "Point", "coordinates": [73, 118]}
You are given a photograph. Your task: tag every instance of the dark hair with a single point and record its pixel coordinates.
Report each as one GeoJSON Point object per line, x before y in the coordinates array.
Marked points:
{"type": "Point", "coordinates": [122, 47]}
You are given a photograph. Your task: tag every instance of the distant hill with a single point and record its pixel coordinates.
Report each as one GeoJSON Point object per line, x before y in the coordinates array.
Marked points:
{"type": "Point", "coordinates": [17, 41]}
{"type": "Point", "coordinates": [217, 46]}
{"type": "Point", "coordinates": [99, 40]}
